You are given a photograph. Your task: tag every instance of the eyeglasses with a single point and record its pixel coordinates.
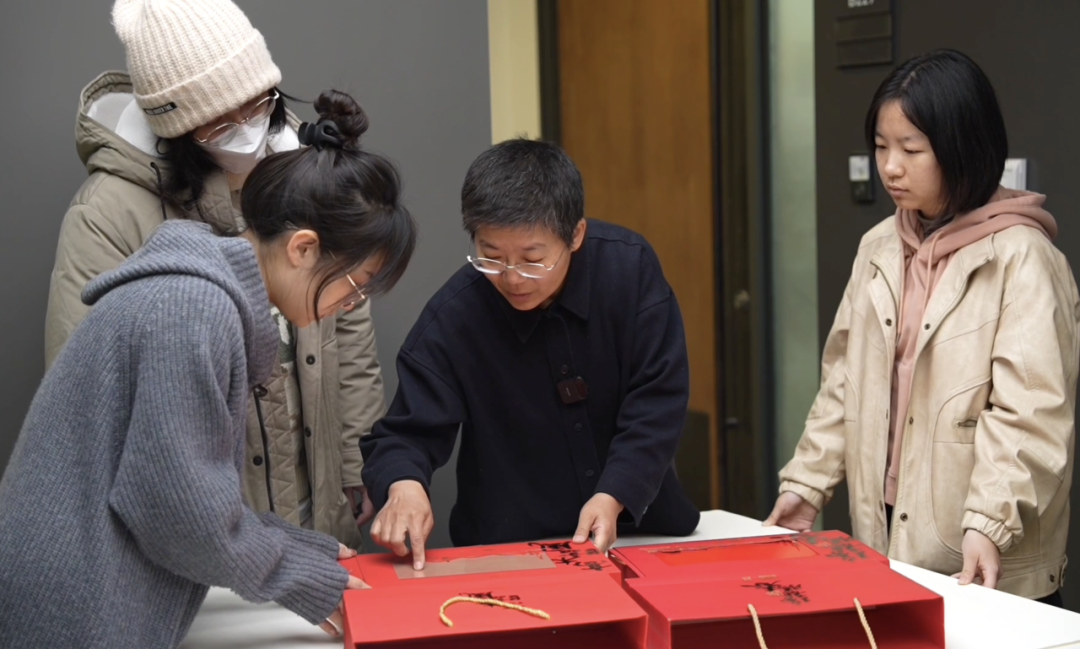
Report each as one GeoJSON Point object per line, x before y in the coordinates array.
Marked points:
{"type": "Point", "coordinates": [353, 301]}
{"type": "Point", "coordinates": [350, 301]}
{"type": "Point", "coordinates": [528, 271]}
{"type": "Point", "coordinates": [225, 132]}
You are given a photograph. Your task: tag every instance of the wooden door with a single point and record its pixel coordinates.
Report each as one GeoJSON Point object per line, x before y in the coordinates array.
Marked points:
{"type": "Point", "coordinates": [636, 114]}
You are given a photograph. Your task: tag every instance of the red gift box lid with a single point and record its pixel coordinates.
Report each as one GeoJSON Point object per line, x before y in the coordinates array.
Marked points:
{"type": "Point", "coordinates": [585, 611]}
{"type": "Point", "coordinates": [483, 563]}
{"type": "Point", "coordinates": [722, 556]}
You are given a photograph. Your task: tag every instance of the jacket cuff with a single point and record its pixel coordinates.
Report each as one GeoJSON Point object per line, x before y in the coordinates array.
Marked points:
{"type": "Point", "coordinates": [809, 494]}
{"type": "Point", "coordinates": [352, 466]}
{"type": "Point", "coordinates": [996, 531]}
{"type": "Point", "coordinates": [630, 490]}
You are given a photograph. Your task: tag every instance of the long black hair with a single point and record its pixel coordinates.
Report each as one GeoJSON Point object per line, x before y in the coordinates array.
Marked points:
{"type": "Point", "coordinates": [950, 99]}
{"type": "Point", "coordinates": [187, 165]}
{"type": "Point", "coordinates": [351, 198]}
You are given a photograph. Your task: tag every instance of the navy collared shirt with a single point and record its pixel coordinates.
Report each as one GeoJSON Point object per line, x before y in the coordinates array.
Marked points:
{"type": "Point", "coordinates": [529, 460]}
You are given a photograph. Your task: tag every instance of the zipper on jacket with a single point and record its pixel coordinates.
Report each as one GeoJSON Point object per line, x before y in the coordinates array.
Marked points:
{"type": "Point", "coordinates": [266, 446]}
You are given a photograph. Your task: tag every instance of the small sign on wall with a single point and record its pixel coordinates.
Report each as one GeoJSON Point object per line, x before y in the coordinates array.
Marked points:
{"type": "Point", "coordinates": [863, 31]}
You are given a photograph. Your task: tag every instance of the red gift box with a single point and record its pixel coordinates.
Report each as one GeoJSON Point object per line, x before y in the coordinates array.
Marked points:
{"type": "Point", "coordinates": [586, 611]}
{"type": "Point", "coordinates": [481, 564]}
{"type": "Point", "coordinates": [809, 607]}
{"type": "Point", "coordinates": [717, 557]}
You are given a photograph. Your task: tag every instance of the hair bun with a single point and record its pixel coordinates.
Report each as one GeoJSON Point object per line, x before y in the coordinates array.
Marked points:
{"type": "Point", "coordinates": [346, 114]}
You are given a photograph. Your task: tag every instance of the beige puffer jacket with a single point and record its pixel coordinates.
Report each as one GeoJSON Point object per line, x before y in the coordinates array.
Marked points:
{"type": "Point", "coordinates": [340, 381]}
{"type": "Point", "coordinates": [990, 426]}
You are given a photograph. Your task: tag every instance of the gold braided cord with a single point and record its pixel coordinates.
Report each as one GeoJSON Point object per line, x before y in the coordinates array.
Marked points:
{"type": "Point", "coordinates": [757, 627]}
{"type": "Point", "coordinates": [858, 607]}
{"type": "Point", "coordinates": [490, 602]}
{"type": "Point", "coordinates": [865, 624]}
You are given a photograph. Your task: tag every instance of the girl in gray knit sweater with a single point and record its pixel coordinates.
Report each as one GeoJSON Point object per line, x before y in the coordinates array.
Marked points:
{"type": "Point", "coordinates": [121, 504]}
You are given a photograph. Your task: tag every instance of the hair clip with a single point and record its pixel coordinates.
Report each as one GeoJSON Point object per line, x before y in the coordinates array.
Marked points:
{"type": "Point", "coordinates": [325, 133]}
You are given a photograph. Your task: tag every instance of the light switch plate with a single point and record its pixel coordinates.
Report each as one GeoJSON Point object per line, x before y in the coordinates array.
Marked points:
{"type": "Point", "coordinates": [1015, 176]}
{"type": "Point", "coordinates": [859, 168]}
{"type": "Point", "coordinates": [860, 177]}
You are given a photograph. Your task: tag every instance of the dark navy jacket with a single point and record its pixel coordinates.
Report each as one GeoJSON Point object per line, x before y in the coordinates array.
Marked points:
{"type": "Point", "coordinates": [528, 461]}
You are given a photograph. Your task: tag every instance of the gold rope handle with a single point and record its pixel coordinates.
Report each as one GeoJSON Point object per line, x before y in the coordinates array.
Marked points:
{"type": "Point", "coordinates": [491, 602]}
{"type": "Point", "coordinates": [757, 627]}
{"type": "Point", "coordinates": [865, 624]}
{"type": "Point", "coordinates": [858, 607]}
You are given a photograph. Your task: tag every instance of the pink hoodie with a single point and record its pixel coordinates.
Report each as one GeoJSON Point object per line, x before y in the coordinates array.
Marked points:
{"type": "Point", "coordinates": [924, 264]}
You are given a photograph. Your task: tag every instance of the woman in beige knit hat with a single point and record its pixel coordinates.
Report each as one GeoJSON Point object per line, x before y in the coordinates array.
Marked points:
{"type": "Point", "coordinates": [174, 138]}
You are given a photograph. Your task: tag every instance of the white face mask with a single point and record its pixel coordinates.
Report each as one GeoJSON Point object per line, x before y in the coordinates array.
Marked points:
{"type": "Point", "coordinates": [248, 145]}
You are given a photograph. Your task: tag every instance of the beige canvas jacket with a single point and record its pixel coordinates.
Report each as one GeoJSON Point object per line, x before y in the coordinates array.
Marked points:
{"type": "Point", "coordinates": [989, 435]}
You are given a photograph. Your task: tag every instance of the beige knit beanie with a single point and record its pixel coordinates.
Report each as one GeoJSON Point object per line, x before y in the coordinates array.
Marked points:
{"type": "Point", "coordinates": [191, 61]}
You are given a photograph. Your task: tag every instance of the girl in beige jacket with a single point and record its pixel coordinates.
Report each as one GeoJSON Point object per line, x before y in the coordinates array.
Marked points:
{"type": "Point", "coordinates": [948, 386]}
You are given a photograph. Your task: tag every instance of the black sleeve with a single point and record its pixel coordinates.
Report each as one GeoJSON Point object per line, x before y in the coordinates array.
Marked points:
{"type": "Point", "coordinates": [651, 416]}
{"type": "Point", "coordinates": [418, 432]}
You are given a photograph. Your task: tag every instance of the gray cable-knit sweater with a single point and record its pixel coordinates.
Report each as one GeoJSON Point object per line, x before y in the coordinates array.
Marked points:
{"type": "Point", "coordinates": [121, 503]}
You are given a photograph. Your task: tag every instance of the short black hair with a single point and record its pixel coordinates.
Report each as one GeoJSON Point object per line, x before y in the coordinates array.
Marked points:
{"type": "Point", "coordinates": [950, 99]}
{"type": "Point", "coordinates": [350, 197]}
{"type": "Point", "coordinates": [523, 183]}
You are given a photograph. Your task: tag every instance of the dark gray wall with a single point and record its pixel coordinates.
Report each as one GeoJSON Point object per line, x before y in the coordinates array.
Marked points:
{"type": "Point", "coordinates": [1029, 51]}
{"type": "Point", "coordinates": [419, 67]}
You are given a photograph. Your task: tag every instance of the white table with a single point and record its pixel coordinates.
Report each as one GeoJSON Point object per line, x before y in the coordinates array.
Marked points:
{"type": "Point", "coordinates": [975, 617]}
